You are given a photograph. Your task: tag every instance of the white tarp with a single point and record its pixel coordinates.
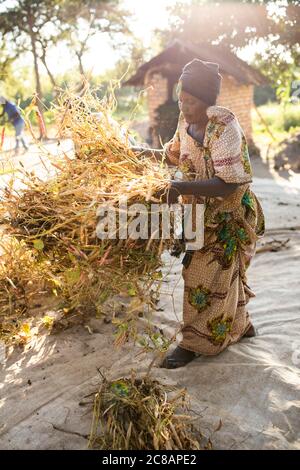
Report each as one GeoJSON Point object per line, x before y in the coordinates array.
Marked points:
{"type": "Point", "coordinates": [253, 387]}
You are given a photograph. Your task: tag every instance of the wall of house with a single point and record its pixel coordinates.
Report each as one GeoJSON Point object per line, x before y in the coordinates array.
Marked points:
{"type": "Point", "coordinates": [239, 99]}
{"type": "Point", "coordinates": [157, 94]}
{"type": "Point", "coordinates": [233, 95]}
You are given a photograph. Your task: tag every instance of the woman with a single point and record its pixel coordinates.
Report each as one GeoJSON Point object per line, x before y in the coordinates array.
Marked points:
{"type": "Point", "coordinates": [15, 118]}
{"type": "Point", "coordinates": [211, 151]}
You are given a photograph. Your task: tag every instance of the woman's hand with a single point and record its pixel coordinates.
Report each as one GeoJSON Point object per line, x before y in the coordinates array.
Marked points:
{"type": "Point", "coordinates": [168, 195]}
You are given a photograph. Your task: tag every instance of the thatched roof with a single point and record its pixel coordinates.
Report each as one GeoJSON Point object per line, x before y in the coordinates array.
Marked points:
{"type": "Point", "coordinates": [177, 54]}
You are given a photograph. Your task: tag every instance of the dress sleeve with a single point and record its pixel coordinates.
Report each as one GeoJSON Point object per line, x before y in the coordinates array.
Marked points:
{"type": "Point", "coordinates": [172, 148]}
{"type": "Point", "coordinates": [230, 155]}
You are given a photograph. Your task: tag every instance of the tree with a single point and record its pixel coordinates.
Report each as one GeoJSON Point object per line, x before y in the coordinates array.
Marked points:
{"type": "Point", "coordinates": [6, 59]}
{"type": "Point", "coordinates": [34, 26]}
{"type": "Point", "coordinates": [27, 25]}
{"type": "Point", "coordinates": [236, 24]}
{"type": "Point", "coordinates": [86, 19]}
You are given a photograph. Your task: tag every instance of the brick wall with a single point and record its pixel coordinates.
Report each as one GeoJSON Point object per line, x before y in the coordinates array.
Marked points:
{"type": "Point", "coordinates": [157, 94]}
{"type": "Point", "coordinates": [239, 99]}
{"type": "Point", "coordinates": [235, 96]}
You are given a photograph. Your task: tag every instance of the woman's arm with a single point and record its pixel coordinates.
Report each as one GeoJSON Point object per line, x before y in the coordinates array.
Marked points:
{"type": "Point", "coordinates": [214, 187]}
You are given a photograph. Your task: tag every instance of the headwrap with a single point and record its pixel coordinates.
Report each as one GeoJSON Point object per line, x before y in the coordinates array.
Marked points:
{"type": "Point", "coordinates": [202, 80]}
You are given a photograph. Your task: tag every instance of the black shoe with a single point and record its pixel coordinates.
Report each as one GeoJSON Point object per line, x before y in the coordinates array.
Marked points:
{"type": "Point", "coordinates": [178, 358]}
{"type": "Point", "coordinates": [251, 332]}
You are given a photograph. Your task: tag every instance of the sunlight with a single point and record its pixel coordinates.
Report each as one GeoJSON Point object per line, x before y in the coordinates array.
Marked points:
{"type": "Point", "coordinates": [148, 16]}
{"type": "Point", "coordinates": [277, 10]}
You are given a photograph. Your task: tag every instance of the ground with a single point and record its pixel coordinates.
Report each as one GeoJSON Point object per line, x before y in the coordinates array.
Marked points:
{"type": "Point", "coordinates": [253, 387]}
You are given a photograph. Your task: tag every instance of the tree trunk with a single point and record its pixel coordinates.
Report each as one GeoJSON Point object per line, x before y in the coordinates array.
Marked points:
{"type": "Point", "coordinates": [81, 69]}
{"type": "Point", "coordinates": [44, 62]}
{"type": "Point", "coordinates": [84, 43]}
{"type": "Point", "coordinates": [38, 86]}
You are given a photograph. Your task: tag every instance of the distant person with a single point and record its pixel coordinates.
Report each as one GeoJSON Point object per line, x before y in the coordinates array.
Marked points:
{"type": "Point", "coordinates": [15, 118]}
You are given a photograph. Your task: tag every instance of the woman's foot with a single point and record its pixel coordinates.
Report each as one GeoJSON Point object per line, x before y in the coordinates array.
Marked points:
{"type": "Point", "coordinates": [178, 358]}
{"type": "Point", "coordinates": [250, 332]}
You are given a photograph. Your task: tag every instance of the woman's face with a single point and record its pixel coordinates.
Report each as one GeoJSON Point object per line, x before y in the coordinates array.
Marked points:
{"type": "Point", "coordinates": [192, 108]}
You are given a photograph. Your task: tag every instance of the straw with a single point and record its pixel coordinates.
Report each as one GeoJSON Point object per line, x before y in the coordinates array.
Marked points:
{"type": "Point", "coordinates": [56, 219]}
{"type": "Point", "coordinates": [140, 414]}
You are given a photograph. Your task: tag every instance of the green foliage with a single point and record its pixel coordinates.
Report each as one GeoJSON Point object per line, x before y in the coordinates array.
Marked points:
{"type": "Point", "coordinates": [280, 68]}
{"type": "Point", "coordinates": [18, 85]}
{"type": "Point", "coordinates": [279, 118]}
{"type": "Point", "coordinates": [291, 117]}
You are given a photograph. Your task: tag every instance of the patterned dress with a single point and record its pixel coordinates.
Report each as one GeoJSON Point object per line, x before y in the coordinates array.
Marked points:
{"type": "Point", "coordinates": [215, 283]}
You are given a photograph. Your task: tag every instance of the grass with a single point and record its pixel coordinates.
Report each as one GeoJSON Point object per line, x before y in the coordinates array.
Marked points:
{"type": "Point", "coordinates": [282, 121]}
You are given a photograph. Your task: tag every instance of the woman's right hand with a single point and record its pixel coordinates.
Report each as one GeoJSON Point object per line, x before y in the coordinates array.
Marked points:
{"type": "Point", "coordinates": [168, 195]}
